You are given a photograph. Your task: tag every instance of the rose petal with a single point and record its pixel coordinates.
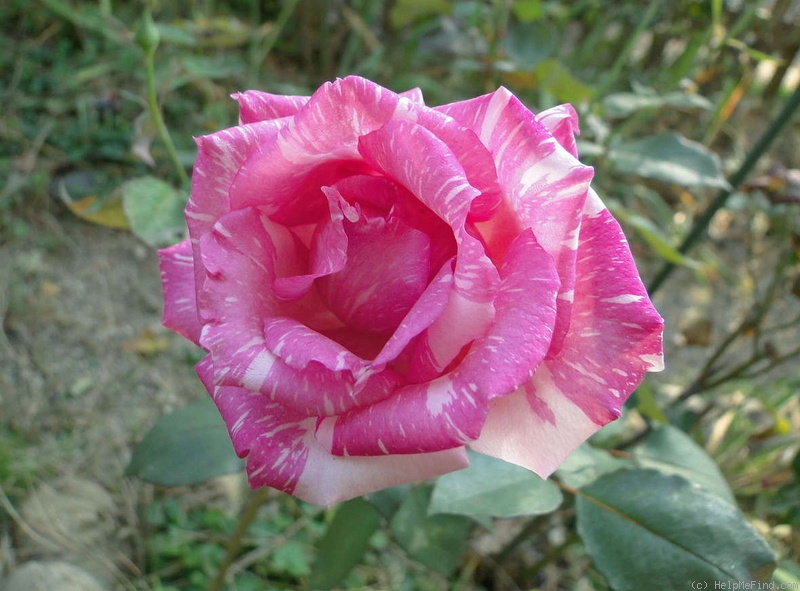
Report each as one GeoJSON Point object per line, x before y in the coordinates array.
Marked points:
{"type": "Point", "coordinates": [328, 250]}
{"type": "Point", "coordinates": [428, 307]}
{"type": "Point", "coordinates": [536, 432]}
{"type": "Point", "coordinates": [414, 94]}
{"type": "Point", "coordinates": [474, 157]}
{"type": "Point", "coordinates": [562, 122]}
{"type": "Point", "coordinates": [450, 410]}
{"type": "Point", "coordinates": [388, 265]}
{"type": "Point", "coordinates": [418, 160]}
{"type": "Point", "coordinates": [546, 186]}
{"type": "Point", "coordinates": [180, 300]}
{"type": "Point", "coordinates": [613, 339]}
{"type": "Point", "coordinates": [283, 452]}
{"type": "Point", "coordinates": [255, 105]}
{"type": "Point", "coordinates": [219, 157]}
{"type": "Point", "coordinates": [317, 147]}
{"type": "Point", "coordinates": [242, 255]}
{"type": "Point", "coordinates": [370, 191]}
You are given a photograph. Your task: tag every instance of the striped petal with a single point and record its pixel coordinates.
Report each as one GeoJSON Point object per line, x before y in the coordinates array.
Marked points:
{"type": "Point", "coordinates": [450, 410]}
{"type": "Point", "coordinates": [219, 158]}
{"type": "Point", "coordinates": [387, 270]}
{"type": "Point", "coordinates": [614, 338]}
{"type": "Point", "coordinates": [255, 105]}
{"type": "Point", "coordinates": [283, 451]}
{"type": "Point", "coordinates": [180, 299]}
{"type": "Point", "coordinates": [317, 147]}
{"type": "Point", "coordinates": [415, 158]}
{"type": "Point", "coordinates": [562, 122]}
{"type": "Point", "coordinates": [545, 186]}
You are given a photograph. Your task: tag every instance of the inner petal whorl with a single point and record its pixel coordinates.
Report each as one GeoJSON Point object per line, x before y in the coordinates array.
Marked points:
{"type": "Point", "coordinates": [386, 271]}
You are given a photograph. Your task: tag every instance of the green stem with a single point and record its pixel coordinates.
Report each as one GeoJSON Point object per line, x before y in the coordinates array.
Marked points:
{"type": "Point", "coordinates": [158, 118]}
{"type": "Point", "coordinates": [147, 37]}
{"type": "Point", "coordinates": [235, 542]}
{"type": "Point", "coordinates": [619, 63]}
{"type": "Point", "coordinates": [284, 15]}
{"type": "Point", "coordinates": [700, 225]}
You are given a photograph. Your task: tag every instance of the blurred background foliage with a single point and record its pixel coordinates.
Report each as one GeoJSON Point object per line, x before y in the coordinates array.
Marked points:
{"type": "Point", "coordinates": [672, 98]}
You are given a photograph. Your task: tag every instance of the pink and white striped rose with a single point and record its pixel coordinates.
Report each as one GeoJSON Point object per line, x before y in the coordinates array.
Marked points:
{"type": "Point", "coordinates": [380, 284]}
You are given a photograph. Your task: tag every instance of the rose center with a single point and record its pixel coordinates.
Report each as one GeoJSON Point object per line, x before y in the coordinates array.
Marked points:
{"type": "Point", "coordinates": [387, 269]}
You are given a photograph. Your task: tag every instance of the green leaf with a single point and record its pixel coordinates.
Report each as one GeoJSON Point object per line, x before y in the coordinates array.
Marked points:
{"type": "Point", "coordinates": [493, 487]}
{"type": "Point", "coordinates": [388, 500]}
{"type": "Point", "coordinates": [530, 43]}
{"type": "Point", "coordinates": [291, 557]}
{"type": "Point", "coordinates": [623, 104]}
{"type": "Point", "coordinates": [345, 542]}
{"type": "Point", "coordinates": [645, 529]}
{"type": "Point", "coordinates": [436, 541]}
{"type": "Point", "coordinates": [154, 210]}
{"type": "Point", "coordinates": [188, 446]}
{"type": "Point", "coordinates": [651, 234]}
{"type": "Point", "coordinates": [671, 158]}
{"type": "Point", "coordinates": [555, 78]}
{"type": "Point", "coordinates": [406, 12]}
{"type": "Point", "coordinates": [528, 10]}
{"type": "Point", "coordinates": [647, 404]}
{"type": "Point", "coordinates": [672, 451]}
{"type": "Point", "coordinates": [586, 464]}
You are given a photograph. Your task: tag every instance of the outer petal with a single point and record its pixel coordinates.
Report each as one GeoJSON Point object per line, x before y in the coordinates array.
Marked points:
{"type": "Point", "coordinates": [545, 186]}
{"type": "Point", "coordinates": [180, 297]}
{"type": "Point", "coordinates": [220, 156]}
{"type": "Point", "coordinates": [255, 105]}
{"type": "Point", "coordinates": [414, 94]}
{"type": "Point", "coordinates": [562, 122]}
{"type": "Point", "coordinates": [451, 410]}
{"type": "Point", "coordinates": [614, 338]}
{"type": "Point", "coordinates": [318, 147]}
{"type": "Point", "coordinates": [282, 451]}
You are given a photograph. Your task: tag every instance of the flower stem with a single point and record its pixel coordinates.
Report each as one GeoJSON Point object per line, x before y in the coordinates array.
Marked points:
{"type": "Point", "coordinates": [700, 225]}
{"type": "Point", "coordinates": [148, 38]}
{"type": "Point", "coordinates": [235, 542]}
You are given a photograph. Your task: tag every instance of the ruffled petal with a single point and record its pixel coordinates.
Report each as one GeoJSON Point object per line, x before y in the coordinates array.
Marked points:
{"type": "Point", "coordinates": [316, 148]}
{"type": "Point", "coordinates": [545, 185]}
{"type": "Point", "coordinates": [283, 452]}
{"type": "Point", "coordinates": [414, 157]}
{"type": "Point", "coordinates": [450, 411]}
{"type": "Point", "coordinates": [255, 105]}
{"type": "Point", "coordinates": [414, 94]}
{"type": "Point", "coordinates": [328, 249]}
{"type": "Point", "coordinates": [219, 158]}
{"type": "Point", "coordinates": [242, 256]}
{"type": "Point", "coordinates": [562, 122]}
{"type": "Point", "coordinates": [614, 338]}
{"type": "Point", "coordinates": [387, 270]}
{"type": "Point", "coordinates": [180, 299]}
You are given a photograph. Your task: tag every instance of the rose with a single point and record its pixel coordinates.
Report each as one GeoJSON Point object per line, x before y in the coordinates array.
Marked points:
{"type": "Point", "coordinates": [379, 284]}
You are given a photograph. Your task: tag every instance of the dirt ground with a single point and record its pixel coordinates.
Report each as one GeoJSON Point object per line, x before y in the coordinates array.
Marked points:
{"type": "Point", "coordinates": [85, 370]}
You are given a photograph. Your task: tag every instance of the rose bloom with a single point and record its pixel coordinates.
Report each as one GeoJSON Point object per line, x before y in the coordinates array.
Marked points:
{"type": "Point", "coordinates": [380, 284]}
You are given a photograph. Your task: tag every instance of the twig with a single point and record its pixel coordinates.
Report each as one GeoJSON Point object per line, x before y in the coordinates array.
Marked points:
{"type": "Point", "coordinates": [700, 224]}
{"type": "Point", "coordinates": [235, 542]}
